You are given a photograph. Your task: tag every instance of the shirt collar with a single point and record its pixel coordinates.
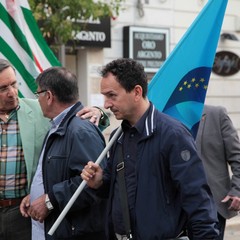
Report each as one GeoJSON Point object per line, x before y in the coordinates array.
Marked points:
{"type": "Point", "coordinates": [140, 125]}
{"type": "Point", "coordinates": [58, 119]}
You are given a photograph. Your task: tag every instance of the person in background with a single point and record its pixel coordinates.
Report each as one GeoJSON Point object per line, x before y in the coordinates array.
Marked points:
{"type": "Point", "coordinates": [69, 144]}
{"type": "Point", "coordinates": [166, 187]}
{"type": "Point", "coordinates": [219, 147]}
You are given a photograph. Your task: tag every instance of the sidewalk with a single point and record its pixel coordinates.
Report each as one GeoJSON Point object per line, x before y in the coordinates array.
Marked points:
{"type": "Point", "coordinates": [232, 231]}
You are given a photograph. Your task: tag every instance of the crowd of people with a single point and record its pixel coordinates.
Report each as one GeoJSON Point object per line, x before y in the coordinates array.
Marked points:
{"type": "Point", "coordinates": [156, 182]}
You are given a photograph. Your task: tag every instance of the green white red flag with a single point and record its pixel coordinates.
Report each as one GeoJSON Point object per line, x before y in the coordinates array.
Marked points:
{"type": "Point", "coordinates": [22, 43]}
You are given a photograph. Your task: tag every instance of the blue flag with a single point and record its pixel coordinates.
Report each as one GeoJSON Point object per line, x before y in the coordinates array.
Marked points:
{"type": "Point", "coordinates": [179, 87]}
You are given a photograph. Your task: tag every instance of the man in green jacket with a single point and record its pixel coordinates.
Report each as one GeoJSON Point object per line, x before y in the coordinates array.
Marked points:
{"type": "Point", "coordinates": [23, 128]}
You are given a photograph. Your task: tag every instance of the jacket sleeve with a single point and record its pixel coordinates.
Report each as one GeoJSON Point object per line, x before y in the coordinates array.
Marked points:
{"type": "Point", "coordinates": [104, 121]}
{"type": "Point", "coordinates": [82, 145]}
{"type": "Point", "coordinates": [232, 150]}
{"type": "Point", "coordinates": [187, 172]}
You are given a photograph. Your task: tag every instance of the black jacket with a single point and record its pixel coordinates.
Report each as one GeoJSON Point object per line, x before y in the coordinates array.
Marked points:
{"type": "Point", "coordinates": [67, 151]}
{"type": "Point", "coordinates": [171, 188]}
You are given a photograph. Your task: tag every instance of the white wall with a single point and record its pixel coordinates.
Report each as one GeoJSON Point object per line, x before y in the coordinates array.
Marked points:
{"type": "Point", "coordinates": [177, 15]}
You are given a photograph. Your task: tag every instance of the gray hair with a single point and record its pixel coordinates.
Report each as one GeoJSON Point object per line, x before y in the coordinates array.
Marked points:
{"type": "Point", "coordinates": [5, 64]}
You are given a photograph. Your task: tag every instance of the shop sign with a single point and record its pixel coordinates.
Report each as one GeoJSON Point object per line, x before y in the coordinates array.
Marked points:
{"type": "Point", "coordinates": [149, 46]}
{"type": "Point", "coordinates": [95, 33]}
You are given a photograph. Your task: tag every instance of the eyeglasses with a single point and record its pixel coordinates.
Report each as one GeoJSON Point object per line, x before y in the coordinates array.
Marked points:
{"type": "Point", "coordinates": [38, 93]}
{"type": "Point", "coordinates": [5, 89]}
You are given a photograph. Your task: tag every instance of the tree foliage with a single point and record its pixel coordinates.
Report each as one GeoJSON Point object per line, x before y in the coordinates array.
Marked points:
{"type": "Point", "coordinates": [57, 18]}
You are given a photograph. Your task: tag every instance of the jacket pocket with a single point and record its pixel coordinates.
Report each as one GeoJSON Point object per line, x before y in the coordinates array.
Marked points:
{"type": "Point", "coordinates": [56, 168]}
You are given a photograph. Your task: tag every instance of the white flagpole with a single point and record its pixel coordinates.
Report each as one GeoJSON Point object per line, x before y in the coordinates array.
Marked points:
{"type": "Point", "coordinates": [82, 185]}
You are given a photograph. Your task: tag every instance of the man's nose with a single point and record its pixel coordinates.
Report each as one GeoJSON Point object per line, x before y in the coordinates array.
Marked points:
{"type": "Point", "coordinates": [107, 103]}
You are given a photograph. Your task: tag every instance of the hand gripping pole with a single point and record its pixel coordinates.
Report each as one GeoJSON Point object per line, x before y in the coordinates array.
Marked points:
{"type": "Point", "coordinates": [83, 184]}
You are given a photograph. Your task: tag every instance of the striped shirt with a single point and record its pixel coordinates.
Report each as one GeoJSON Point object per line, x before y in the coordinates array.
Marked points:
{"type": "Point", "coordinates": [13, 173]}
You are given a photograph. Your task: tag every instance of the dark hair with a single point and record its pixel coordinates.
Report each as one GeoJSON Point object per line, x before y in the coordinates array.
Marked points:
{"type": "Point", "coordinates": [5, 64]}
{"type": "Point", "coordinates": [61, 82]}
{"type": "Point", "coordinates": [128, 73]}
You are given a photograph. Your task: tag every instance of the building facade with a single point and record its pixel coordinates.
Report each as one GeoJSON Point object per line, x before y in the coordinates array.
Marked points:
{"type": "Point", "coordinates": [172, 17]}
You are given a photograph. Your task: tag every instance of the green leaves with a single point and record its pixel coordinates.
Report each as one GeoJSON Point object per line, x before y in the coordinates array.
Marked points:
{"type": "Point", "coordinates": [57, 19]}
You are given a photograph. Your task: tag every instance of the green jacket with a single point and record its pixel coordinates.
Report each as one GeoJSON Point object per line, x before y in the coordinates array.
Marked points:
{"type": "Point", "coordinates": [33, 128]}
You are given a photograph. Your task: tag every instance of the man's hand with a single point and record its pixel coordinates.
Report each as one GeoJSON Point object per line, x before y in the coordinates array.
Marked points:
{"type": "Point", "coordinates": [24, 206]}
{"type": "Point", "coordinates": [234, 202]}
{"type": "Point", "coordinates": [91, 113]}
{"type": "Point", "coordinates": [92, 174]}
{"type": "Point", "coordinates": [38, 210]}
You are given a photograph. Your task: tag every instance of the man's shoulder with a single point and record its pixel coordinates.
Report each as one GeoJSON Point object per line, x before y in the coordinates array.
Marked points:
{"type": "Point", "coordinates": [212, 108]}
{"type": "Point", "coordinates": [169, 125]}
{"type": "Point", "coordinates": [30, 107]}
{"type": "Point", "coordinates": [163, 118]}
{"type": "Point", "coordinates": [29, 102]}
{"type": "Point", "coordinates": [83, 124]}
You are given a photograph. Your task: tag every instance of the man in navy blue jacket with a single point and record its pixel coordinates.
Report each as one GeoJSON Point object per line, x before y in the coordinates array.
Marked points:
{"type": "Point", "coordinates": [166, 186]}
{"type": "Point", "coordinates": [68, 146]}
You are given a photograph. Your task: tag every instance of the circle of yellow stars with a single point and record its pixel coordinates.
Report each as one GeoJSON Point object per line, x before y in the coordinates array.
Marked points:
{"type": "Point", "coordinates": [194, 83]}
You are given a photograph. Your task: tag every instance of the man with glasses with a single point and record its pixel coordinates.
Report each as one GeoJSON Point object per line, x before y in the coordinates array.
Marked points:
{"type": "Point", "coordinates": [39, 92]}
{"type": "Point", "coordinates": [23, 128]}
{"type": "Point", "coordinates": [68, 146]}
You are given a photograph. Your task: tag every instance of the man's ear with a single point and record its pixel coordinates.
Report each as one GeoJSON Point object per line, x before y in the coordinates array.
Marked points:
{"type": "Point", "coordinates": [50, 97]}
{"type": "Point", "coordinates": [138, 92]}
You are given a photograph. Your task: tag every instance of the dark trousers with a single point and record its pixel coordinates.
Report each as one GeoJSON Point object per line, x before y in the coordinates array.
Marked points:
{"type": "Point", "coordinates": [221, 227]}
{"type": "Point", "coordinates": [88, 236]}
{"type": "Point", "coordinates": [13, 226]}
{"type": "Point", "coordinates": [94, 236]}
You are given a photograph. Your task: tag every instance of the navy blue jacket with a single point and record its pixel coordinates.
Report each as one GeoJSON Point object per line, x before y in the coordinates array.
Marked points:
{"type": "Point", "coordinates": [68, 150]}
{"type": "Point", "coordinates": [171, 190]}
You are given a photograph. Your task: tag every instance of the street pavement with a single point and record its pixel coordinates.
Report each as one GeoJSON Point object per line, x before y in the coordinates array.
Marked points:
{"type": "Point", "coordinates": [232, 231]}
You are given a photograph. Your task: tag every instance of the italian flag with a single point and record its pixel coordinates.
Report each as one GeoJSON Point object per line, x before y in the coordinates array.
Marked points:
{"type": "Point", "coordinates": [22, 44]}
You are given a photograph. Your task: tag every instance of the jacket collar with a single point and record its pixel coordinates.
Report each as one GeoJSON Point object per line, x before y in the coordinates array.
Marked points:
{"type": "Point", "coordinates": [71, 113]}
{"type": "Point", "coordinates": [150, 121]}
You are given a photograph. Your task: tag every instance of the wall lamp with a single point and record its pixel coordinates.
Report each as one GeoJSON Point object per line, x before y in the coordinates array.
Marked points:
{"type": "Point", "coordinates": [228, 36]}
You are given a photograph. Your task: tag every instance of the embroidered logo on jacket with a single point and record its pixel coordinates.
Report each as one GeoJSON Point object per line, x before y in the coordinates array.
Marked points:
{"type": "Point", "coordinates": [185, 154]}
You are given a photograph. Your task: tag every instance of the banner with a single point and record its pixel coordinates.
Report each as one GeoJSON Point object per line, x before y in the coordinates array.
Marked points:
{"type": "Point", "coordinates": [22, 44]}
{"type": "Point", "coordinates": [179, 87]}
